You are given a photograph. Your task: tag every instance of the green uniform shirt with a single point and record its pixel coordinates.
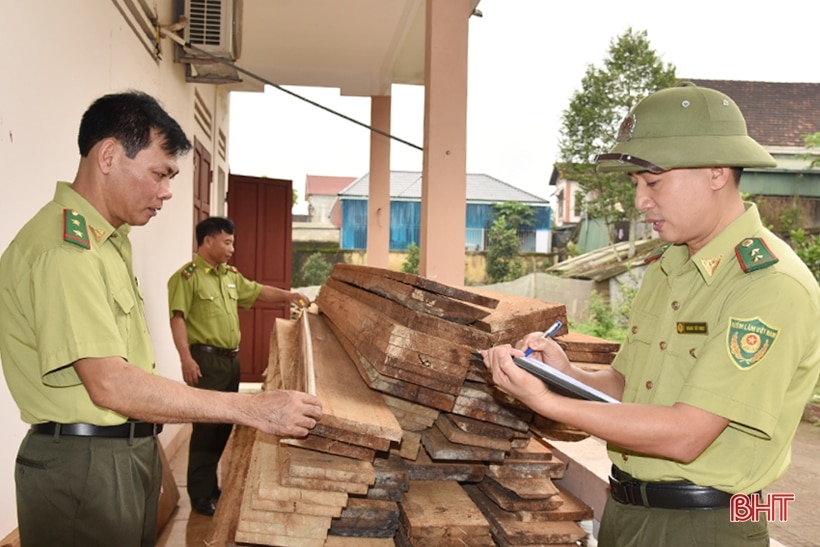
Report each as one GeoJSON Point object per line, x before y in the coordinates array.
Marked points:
{"type": "Point", "coordinates": [68, 291]}
{"type": "Point", "coordinates": [209, 298]}
{"type": "Point", "coordinates": [740, 345]}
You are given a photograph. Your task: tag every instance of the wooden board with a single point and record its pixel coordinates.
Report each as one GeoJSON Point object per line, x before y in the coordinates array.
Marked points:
{"type": "Point", "coordinates": [487, 429]}
{"type": "Point", "coordinates": [476, 400]}
{"type": "Point", "coordinates": [439, 448]}
{"type": "Point", "coordinates": [516, 316]}
{"type": "Point", "coordinates": [527, 469]}
{"type": "Point", "coordinates": [572, 508]}
{"type": "Point", "coordinates": [508, 529]}
{"type": "Point", "coordinates": [411, 416]}
{"type": "Point", "coordinates": [441, 510]}
{"type": "Point", "coordinates": [425, 469]}
{"type": "Point", "coordinates": [510, 501]}
{"type": "Point", "coordinates": [367, 518]}
{"type": "Point", "coordinates": [350, 273]}
{"type": "Point", "coordinates": [298, 463]}
{"type": "Point", "coordinates": [445, 424]}
{"type": "Point", "coordinates": [264, 519]}
{"type": "Point", "coordinates": [392, 479]}
{"type": "Point", "coordinates": [420, 322]}
{"type": "Point", "coordinates": [226, 519]}
{"type": "Point", "coordinates": [332, 446]}
{"type": "Point", "coordinates": [393, 349]}
{"type": "Point", "coordinates": [576, 341]}
{"type": "Point", "coordinates": [397, 388]}
{"type": "Point", "coordinates": [348, 404]}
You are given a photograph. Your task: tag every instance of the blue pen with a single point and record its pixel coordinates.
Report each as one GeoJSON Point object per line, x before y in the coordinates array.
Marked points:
{"type": "Point", "coordinates": [549, 333]}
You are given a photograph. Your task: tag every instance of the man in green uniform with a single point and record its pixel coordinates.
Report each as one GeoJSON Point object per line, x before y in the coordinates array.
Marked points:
{"type": "Point", "coordinates": [203, 299]}
{"type": "Point", "coordinates": [75, 347]}
{"type": "Point", "coordinates": [723, 347]}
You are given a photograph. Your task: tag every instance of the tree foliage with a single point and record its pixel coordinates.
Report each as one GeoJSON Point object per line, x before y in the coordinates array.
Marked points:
{"type": "Point", "coordinates": [315, 270]}
{"type": "Point", "coordinates": [411, 263]}
{"type": "Point", "coordinates": [812, 140]}
{"type": "Point", "coordinates": [504, 246]}
{"type": "Point", "coordinates": [631, 71]}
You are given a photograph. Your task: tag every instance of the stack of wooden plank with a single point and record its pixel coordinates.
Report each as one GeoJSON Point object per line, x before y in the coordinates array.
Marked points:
{"type": "Point", "coordinates": [587, 351]}
{"type": "Point", "coordinates": [415, 446]}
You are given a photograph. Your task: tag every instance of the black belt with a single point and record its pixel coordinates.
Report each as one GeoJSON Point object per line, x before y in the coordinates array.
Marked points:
{"type": "Point", "coordinates": [665, 495]}
{"type": "Point", "coordinates": [222, 352]}
{"type": "Point", "coordinates": [123, 431]}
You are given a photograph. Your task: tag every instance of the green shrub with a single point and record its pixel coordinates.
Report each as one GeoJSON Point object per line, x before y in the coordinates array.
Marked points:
{"type": "Point", "coordinates": [315, 270]}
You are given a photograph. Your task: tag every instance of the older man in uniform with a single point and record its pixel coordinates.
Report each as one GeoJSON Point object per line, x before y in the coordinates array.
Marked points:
{"type": "Point", "coordinates": [723, 347]}
{"type": "Point", "coordinates": [203, 299]}
{"type": "Point", "coordinates": [75, 347]}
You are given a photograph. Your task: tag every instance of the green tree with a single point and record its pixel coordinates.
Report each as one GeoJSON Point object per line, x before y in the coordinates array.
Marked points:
{"type": "Point", "coordinates": [630, 72]}
{"type": "Point", "coordinates": [812, 140]}
{"type": "Point", "coordinates": [504, 245]}
{"type": "Point", "coordinates": [411, 263]}
{"type": "Point", "coordinates": [315, 270]}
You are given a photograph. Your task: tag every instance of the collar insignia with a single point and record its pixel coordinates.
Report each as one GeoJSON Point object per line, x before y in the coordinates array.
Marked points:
{"type": "Point", "coordinates": [711, 264]}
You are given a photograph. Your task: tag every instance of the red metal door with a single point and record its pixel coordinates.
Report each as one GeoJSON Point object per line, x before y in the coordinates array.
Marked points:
{"type": "Point", "coordinates": [261, 211]}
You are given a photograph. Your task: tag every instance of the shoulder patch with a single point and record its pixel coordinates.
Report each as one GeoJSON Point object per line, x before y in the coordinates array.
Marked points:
{"type": "Point", "coordinates": [74, 229]}
{"type": "Point", "coordinates": [749, 340]}
{"type": "Point", "coordinates": [657, 254]}
{"type": "Point", "coordinates": [753, 254]}
{"type": "Point", "coordinates": [188, 270]}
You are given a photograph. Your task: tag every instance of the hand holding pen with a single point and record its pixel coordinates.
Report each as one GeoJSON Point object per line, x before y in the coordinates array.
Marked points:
{"type": "Point", "coordinates": [549, 333]}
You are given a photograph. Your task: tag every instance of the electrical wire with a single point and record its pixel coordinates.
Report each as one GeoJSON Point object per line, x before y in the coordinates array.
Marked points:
{"type": "Point", "coordinates": [238, 68]}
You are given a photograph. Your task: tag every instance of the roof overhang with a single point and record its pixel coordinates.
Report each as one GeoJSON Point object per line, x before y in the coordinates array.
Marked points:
{"type": "Point", "coordinates": [361, 47]}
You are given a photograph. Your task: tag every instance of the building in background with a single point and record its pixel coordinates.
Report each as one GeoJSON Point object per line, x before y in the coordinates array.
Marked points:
{"type": "Point", "coordinates": [483, 191]}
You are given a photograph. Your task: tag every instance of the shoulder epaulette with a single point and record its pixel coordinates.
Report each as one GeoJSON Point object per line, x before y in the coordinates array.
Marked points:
{"type": "Point", "coordinates": [753, 254]}
{"type": "Point", "coordinates": [657, 254]}
{"type": "Point", "coordinates": [74, 229]}
{"type": "Point", "coordinates": [188, 270]}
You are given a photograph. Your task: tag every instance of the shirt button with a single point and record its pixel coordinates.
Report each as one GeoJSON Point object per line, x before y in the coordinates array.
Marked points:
{"type": "Point", "coordinates": [662, 345]}
{"type": "Point", "coordinates": [676, 305]}
{"type": "Point", "coordinates": [624, 457]}
{"type": "Point", "coordinates": [649, 384]}
{"type": "Point", "coordinates": [692, 352]}
{"type": "Point", "coordinates": [634, 329]}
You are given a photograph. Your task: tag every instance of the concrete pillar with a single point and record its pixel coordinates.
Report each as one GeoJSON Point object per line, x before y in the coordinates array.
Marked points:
{"type": "Point", "coordinates": [444, 175]}
{"type": "Point", "coordinates": [378, 201]}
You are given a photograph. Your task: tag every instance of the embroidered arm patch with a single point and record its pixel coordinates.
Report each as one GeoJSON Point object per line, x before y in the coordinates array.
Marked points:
{"type": "Point", "coordinates": [749, 340]}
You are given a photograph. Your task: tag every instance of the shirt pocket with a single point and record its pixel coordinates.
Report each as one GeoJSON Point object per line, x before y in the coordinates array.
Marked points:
{"type": "Point", "coordinates": [640, 340]}
{"type": "Point", "coordinates": [206, 304]}
{"type": "Point", "coordinates": [125, 304]}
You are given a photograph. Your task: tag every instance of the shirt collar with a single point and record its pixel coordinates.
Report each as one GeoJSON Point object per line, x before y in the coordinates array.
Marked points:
{"type": "Point", "coordinates": [207, 268]}
{"type": "Point", "coordinates": [712, 260]}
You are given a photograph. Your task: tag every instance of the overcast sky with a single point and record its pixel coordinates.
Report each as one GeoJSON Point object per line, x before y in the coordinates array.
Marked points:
{"type": "Point", "coordinates": [527, 57]}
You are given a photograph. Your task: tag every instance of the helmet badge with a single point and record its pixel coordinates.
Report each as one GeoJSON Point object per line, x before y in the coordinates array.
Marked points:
{"type": "Point", "coordinates": [627, 129]}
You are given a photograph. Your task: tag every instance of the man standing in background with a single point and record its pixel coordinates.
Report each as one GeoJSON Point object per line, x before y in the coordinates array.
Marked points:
{"type": "Point", "coordinates": [203, 299]}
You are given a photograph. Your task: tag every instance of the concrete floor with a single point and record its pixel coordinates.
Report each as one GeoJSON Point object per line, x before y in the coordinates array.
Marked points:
{"type": "Point", "coordinates": [802, 529]}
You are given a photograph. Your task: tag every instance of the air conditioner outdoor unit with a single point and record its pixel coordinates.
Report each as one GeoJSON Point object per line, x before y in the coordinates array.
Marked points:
{"type": "Point", "coordinates": [214, 26]}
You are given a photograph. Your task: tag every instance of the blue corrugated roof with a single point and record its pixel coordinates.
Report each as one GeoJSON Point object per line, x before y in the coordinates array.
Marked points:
{"type": "Point", "coordinates": [480, 188]}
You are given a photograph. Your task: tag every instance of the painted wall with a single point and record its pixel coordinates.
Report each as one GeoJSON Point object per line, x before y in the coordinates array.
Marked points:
{"type": "Point", "coordinates": [56, 58]}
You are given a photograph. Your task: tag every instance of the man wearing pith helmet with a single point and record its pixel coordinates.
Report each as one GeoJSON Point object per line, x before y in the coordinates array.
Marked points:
{"type": "Point", "coordinates": [722, 350]}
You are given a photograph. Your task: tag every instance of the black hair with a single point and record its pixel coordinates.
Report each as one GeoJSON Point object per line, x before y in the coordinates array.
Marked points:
{"type": "Point", "coordinates": [130, 118]}
{"type": "Point", "coordinates": [212, 226]}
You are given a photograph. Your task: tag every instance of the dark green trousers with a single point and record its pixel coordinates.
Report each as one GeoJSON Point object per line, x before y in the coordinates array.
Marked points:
{"type": "Point", "coordinates": [635, 526]}
{"type": "Point", "coordinates": [208, 440]}
{"type": "Point", "coordinates": [87, 491]}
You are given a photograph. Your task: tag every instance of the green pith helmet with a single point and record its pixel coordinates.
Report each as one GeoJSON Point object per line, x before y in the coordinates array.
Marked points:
{"type": "Point", "coordinates": [685, 126]}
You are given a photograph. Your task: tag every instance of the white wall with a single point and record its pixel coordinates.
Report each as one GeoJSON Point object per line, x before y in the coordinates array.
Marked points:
{"type": "Point", "coordinates": [55, 58]}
